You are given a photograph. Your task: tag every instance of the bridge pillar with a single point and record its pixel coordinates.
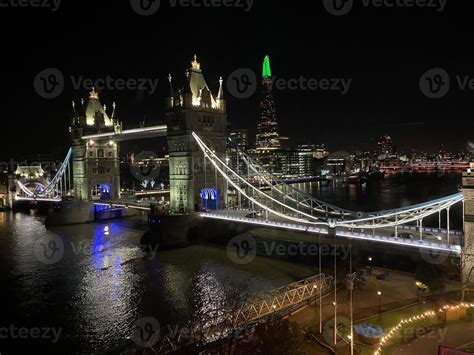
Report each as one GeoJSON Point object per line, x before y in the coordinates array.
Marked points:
{"type": "Point", "coordinates": [11, 191]}
{"type": "Point", "coordinates": [467, 257]}
{"type": "Point", "coordinates": [195, 109]}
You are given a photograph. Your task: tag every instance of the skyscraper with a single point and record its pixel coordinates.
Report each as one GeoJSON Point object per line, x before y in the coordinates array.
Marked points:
{"type": "Point", "coordinates": [267, 128]}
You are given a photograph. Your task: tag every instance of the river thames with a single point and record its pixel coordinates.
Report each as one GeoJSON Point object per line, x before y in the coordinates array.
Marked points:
{"type": "Point", "coordinates": [104, 282]}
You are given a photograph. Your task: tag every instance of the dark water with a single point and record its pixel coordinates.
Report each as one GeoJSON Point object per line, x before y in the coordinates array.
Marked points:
{"type": "Point", "coordinates": [392, 192]}
{"type": "Point", "coordinates": [104, 282]}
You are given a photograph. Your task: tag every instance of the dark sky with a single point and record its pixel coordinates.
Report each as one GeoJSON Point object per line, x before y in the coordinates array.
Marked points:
{"type": "Point", "coordinates": [384, 51]}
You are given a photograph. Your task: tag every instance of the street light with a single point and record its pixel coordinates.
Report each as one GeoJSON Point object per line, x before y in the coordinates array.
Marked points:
{"type": "Point", "coordinates": [335, 322]}
{"type": "Point", "coordinates": [379, 294]}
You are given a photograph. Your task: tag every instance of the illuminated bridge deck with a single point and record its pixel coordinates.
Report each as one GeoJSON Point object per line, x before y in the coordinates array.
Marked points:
{"type": "Point", "coordinates": [383, 235]}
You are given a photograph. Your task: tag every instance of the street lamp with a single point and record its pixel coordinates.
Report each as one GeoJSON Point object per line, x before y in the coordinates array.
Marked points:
{"type": "Point", "coordinates": [379, 294]}
{"type": "Point", "coordinates": [335, 322]}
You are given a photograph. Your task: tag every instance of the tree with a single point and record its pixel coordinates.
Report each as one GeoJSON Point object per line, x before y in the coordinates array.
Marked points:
{"type": "Point", "coordinates": [429, 275]}
{"type": "Point", "coordinates": [275, 336]}
{"type": "Point", "coordinates": [466, 267]}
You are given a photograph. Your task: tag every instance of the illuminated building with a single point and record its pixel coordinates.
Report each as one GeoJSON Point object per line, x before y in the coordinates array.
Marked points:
{"type": "Point", "coordinates": [241, 138]}
{"type": "Point", "coordinates": [385, 145]}
{"type": "Point", "coordinates": [193, 108]}
{"type": "Point", "coordinates": [96, 163]}
{"type": "Point", "coordinates": [267, 128]}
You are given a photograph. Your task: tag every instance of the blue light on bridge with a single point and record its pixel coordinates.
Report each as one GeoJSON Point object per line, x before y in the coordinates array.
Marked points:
{"type": "Point", "coordinates": [210, 198]}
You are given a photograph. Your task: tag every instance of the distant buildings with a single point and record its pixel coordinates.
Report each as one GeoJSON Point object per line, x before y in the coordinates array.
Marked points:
{"type": "Point", "coordinates": [241, 138]}
{"type": "Point", "coordinates": [272, 151]}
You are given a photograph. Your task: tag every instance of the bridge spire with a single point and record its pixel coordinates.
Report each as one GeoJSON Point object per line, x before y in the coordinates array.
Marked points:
{"type": "Point", "coordinates": [93, 94]}
{"type": "Point", "coordinates": [195, 64]}
{"type": "Point", "coordinates": [220, 94]}
{"type": "Point", "coordinates": [113, 115]}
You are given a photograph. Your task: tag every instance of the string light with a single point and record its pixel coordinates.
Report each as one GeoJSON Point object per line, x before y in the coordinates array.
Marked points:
{"type": "Point", "coordinates": [423, 315]}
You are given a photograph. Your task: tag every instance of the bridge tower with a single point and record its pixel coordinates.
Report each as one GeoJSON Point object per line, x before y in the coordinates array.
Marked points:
{"type": "Point", "coordinates": [95, 160]}
{"type": "Point", "coordinates": [193, 181]}
{"type": "Point", "coordinates": [467, 261]}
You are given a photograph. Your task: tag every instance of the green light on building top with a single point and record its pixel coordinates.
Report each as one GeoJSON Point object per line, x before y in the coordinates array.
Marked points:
{"type": "Point", "coordinates": [266, 72]}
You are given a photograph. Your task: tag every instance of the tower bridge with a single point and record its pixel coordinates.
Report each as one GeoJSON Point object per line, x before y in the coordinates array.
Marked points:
{"type": "Point", "coordinates": [202, 178]}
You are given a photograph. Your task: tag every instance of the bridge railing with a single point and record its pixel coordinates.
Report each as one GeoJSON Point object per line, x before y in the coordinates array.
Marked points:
{"type": "Point", "coordinates": [279, 299]}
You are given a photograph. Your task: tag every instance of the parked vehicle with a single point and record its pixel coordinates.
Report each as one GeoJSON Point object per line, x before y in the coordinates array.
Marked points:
{"type": "Point", "coordinates": [254, 215]}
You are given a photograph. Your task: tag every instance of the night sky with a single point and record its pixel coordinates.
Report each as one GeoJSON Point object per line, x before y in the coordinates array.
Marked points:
{"type": "Point", "coordinates": [384, 51]}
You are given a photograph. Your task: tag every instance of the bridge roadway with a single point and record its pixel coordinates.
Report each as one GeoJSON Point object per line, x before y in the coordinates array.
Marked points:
{"type": "Point", "coordinates": [432, 238]}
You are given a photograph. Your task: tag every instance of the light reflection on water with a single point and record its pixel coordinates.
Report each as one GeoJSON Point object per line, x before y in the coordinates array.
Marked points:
{"type": "Point", "coordinates": [104, 282]}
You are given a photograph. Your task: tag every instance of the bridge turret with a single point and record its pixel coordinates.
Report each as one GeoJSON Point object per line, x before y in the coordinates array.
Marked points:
{"type": "Point", "coordinates": [195, 110]}
{"type": "Point", "coordinates": [171, 94]}
{"type": "Point", "coordinates": [96, 165]}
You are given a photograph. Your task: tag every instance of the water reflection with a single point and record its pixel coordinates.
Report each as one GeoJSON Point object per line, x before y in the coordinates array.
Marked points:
{"type": "Point", "coordinates": [104, 282]}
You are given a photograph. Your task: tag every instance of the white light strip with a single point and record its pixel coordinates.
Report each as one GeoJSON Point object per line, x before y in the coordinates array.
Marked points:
{"type": "Point", "coordinates": [454, 249]}
{"type": "Point", "coordinates": [162, 129]}
{"type": "Point", "coordinates": [204, 148]}
{"type": "Point", "coordinates": [305, 228]}
{"type": "Point", "coordinates": [19, 198]}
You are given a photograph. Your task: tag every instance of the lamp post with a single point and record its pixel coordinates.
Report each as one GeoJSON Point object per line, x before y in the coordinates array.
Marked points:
{"type": "Point", "coordinates": [335, 322]}
{"type": "Point", "coordinates": [379, 294]}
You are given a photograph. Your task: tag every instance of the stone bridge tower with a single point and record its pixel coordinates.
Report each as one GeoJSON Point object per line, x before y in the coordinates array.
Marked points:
{"type": "Point", "coordinates": [193, 181]}
{"type": "Point", "coordinates": [95, 158]}
{"type": "Point", "coordinates": [468, 248]}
